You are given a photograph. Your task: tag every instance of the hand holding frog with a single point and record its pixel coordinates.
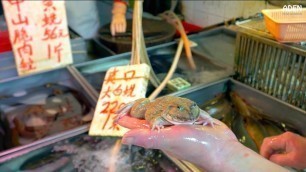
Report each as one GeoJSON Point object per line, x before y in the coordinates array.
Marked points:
{"type": "Point", "coordinates": [194, 143]}
{"type": "Point", "coordinates": [210, 148]}
{"type": "Point", "coordinates": [167, 110]}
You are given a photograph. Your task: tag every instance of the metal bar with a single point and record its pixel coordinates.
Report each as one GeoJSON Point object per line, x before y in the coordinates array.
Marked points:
{"type": "Point", "coordinates": [298, 82]}
{"type": "Point", "coordinates": [285, 79]}
{"type": "Point", "coordinates": [268, 69]}
{"type": "Point", "coordinates": [248, 61]}
{"type": "Point", "coordinates": [257, 70]}
{"type": "Point", "coordinates": [244, 58]}
{"type": "Point", "coordinates": [238, 52]}
{"type": "Point", "coordinates": [292, 78]}
{"type": "Point", "coordinates": [240, 55]}
{"type": "Point", "coordinates": [273, 72]}
{"type": "Point", "coordinates": [263, 68]}
{"type": "Point", "coordinates": [253, 62]}
{"type": "Point", "coordinates": [302, 87]}
{"type": "Point", "coordinates": [278, 73]}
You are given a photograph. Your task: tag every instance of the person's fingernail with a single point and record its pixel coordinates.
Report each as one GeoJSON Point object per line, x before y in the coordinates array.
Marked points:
{"type": "Point", "coordinates": [128, 140]}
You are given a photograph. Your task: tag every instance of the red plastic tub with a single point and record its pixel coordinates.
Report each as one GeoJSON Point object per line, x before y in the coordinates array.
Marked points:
{"type": "Point", "coordinates": [5, 44]}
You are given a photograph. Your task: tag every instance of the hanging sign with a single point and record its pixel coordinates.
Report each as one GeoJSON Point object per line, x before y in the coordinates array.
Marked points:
{"type": "Point", "coordinates": [121, 85]}
{"type": "Point", "coordinates": [38, 34]}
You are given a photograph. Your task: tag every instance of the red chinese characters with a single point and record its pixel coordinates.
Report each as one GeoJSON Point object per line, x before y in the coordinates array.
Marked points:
{"type": "Point", "coordinates": [55, 50]}
{"type": "Point", "coordinates": [20, 20]}
{"type": "Point", "coordinates": [52, 31]}
{"type": "Point", "coordinates": [16, 3]}
{"type": "Point", "coordinates": [21, 35]}
{"type": "Point", "coordinates": [21, 38]}
{"type": "Point", "coordinates": [38, 34]}
{"type": "Point", "coordinates": [117, 89]}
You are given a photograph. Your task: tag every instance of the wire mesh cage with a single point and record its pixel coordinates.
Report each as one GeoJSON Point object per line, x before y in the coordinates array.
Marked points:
{"type": "Point", "coordinates": [274, 68]}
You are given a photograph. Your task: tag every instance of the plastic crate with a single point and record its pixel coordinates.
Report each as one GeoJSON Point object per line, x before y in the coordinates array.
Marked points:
{"type": "Point", "coordinates": [286, 26]}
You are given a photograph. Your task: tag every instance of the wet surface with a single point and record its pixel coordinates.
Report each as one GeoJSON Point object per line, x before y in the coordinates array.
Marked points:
{"type": "Point", "coordinates": [85, 153]}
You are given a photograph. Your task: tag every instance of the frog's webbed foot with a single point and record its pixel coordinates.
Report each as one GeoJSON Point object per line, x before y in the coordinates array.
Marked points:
{"type": "Point", "coordinates": [159, 123]}
{"type": "Point", "coordinates": [205, 119]}
{"type": "Point", "coordinates": [158, 127]}
{"type": "Point", "coordinates": [124, 110]}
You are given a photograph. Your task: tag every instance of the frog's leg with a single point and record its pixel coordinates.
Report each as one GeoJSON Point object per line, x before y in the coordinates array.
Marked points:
{"type": "Point", "coordinates": [124, 110]}
{"type": "Point", "coordinates": [205, 119]}
{"type": "Point", "coordinates": [135, 108]}
{"type": "Point", "coordinates": [159, 123]}
{"type": "Point", "coordinates": [139, 108]}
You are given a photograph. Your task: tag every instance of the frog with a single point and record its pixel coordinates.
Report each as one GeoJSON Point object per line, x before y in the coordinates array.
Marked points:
{"type": "Point", "coordinates": [165, 111]}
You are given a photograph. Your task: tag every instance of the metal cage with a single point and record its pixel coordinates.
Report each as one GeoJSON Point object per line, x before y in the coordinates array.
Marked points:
{"type": "Point", "coordinates": [274, 68]}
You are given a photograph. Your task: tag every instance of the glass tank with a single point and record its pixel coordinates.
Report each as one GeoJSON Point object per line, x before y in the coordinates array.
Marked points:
{"type": "Point", "coordinates": [38, 106]}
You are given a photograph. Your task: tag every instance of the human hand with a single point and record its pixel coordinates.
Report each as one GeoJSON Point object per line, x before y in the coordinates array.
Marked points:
{"type": "Point", "coordinates": [118, 24]}
{"type": "Point", "coordinates": [201, 145]}
{"type": "Point", "coordinates": [287, 149]}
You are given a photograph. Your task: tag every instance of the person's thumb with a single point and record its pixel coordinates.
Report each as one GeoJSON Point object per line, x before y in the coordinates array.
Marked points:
{"type": "Point", "coordinates": [281, 159]}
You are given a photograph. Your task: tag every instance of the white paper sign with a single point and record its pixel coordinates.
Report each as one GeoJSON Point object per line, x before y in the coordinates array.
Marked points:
{"type": "Point", "coordinates": [121, 85]}
{"type": "Point", "coordinates": [38, 34]}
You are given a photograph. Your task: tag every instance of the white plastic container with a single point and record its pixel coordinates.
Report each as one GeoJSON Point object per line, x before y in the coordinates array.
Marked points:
{"type": "Point", "coordinates": [286, 26]}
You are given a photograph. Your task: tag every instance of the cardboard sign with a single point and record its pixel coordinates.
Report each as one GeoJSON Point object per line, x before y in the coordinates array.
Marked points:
{"type": "Point", "coordinates": [121, 85]}
{"type": "Point", "coordinates": [38, 34]}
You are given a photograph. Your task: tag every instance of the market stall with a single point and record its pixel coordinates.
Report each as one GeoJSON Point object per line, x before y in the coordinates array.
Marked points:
{"type": "Point", "coordinates": [61, 107]}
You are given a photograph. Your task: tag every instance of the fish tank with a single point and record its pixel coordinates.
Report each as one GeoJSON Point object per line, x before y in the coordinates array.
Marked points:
{"type": "Point", "coordinates": [38, 107]}
{"type": "Point", "coordinates": [249, 113]}
{"type": "Point", "coordinates": [86, 153]}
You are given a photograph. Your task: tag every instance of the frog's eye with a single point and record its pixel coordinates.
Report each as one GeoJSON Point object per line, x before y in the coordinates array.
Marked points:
{"type": "Point", "coordinates": [180, 108]}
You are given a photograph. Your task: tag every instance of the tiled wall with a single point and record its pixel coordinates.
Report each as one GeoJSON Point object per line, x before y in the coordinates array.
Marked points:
{"type": "Point", "coordinates": [206, 13]}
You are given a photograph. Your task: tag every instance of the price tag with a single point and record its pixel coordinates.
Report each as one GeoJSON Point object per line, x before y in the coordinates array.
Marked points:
{"type": "Point", "coordinates": [38, 34]}
{"type": "Point", "coordinates": [121, 85]}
